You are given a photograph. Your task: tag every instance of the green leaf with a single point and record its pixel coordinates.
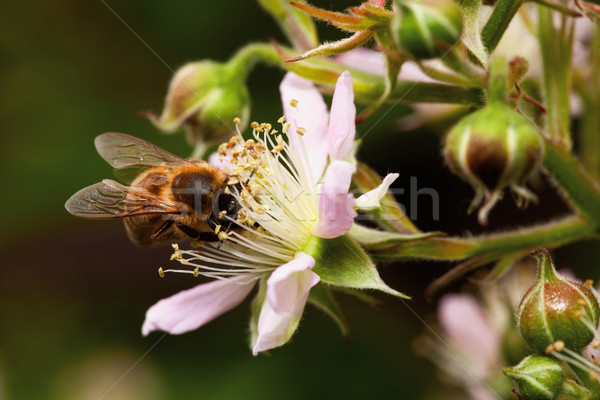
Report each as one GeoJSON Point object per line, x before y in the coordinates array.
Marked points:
{"type": "Point", "coordinates": [342, 262]}
{"type": "Point", "coordinates": [373, 239]}
{"type": "Point", "coordinates": [321, 296]}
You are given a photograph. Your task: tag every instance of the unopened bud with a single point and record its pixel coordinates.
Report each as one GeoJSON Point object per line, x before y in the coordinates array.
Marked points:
{"type": "Point", "coordinates": [491, 149]}
{"type": "Point", "coordinates": [426, 28]}
{"type": "Point", "coordinates": [537, 377]}
{"type": "Point", "coordinates": [204, 98]}
{"type": "Point", "coordinates": [557, 312]}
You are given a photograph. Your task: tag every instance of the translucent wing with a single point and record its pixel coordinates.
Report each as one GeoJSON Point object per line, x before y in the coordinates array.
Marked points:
{"type": "Point", "coordinates": [109, 199]}
{"type": "Point", "coordinates": [130, 155]}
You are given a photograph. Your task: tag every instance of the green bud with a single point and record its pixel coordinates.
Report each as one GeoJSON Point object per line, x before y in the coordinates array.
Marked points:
{"type": "Point", "coordinates": [537, 377]}
{"type": "Point", "coordinates": [491, 149]}
{"type": "Point", "coordinates": [426, 28]}
{"type": "Point", "coordinates": [204, 98]}
{"type": "Point", "coordinates": [557, 311]}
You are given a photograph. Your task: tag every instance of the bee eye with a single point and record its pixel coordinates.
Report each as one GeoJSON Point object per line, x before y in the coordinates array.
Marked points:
{"type": "Point", "coordinates": [228, 203]}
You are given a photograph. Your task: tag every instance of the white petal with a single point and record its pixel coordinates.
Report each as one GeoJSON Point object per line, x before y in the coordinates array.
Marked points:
{"type": "Point", "coordinates": [342, 128]}
{"type": "Point", "coordinates": [336, 205]}
{"type": "Point", "coordinates": [275, 329]}
{"type": "Point", "coordinates": [371, 199]}
{"type": "Point", "coordinates": [291, 282]}
{"type": "Point", "coordinates": [310, 114]}
{"type": "Point", "coordinates": [192, 308]}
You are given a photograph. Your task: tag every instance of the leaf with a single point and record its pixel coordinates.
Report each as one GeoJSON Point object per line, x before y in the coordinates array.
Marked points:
{"type": "Point", "coordinates": [321, 296]}
{"type": "Point", "coordinates": [341, 262]}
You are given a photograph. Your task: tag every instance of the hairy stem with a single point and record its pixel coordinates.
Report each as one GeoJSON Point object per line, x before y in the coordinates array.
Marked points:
{"type": "Point", "coordinates": [501, 16]}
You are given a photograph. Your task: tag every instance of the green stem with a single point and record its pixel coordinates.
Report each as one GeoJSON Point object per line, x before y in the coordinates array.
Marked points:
{"type": "Point", "coordinates": [501, 16]}
{"type": "Point", "coordinates": [581, 189]}
{"type": "Point", "coordinates": [549, 235]}
{"type": "Point", "coordinates": [246, 58]}
{"type": "Point", "coordinates": [556, 59]}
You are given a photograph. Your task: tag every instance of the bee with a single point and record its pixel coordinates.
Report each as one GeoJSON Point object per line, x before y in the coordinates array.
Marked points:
{"type": "Point", "coordinates": [169, 200]}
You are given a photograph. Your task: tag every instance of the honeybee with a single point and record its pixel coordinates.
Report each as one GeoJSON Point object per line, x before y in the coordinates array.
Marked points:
{"type": "Point", "coordinates": [170, 199]}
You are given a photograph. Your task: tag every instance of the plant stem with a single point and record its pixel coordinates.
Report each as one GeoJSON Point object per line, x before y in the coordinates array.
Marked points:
{"type": "Point", "coordinates": [556, 57]}
{"type": "Point", "coordinates": [501, 16]}
{"type": "Point", "coordinates": [580, 188]}
{"type": "Point", "coordinates": [244, 60]}
{"type": "Point", "coordinates": [549, 235]}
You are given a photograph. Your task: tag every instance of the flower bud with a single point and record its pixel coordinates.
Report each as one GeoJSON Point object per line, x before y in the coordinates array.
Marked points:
{"type": "Point", "coordinates": [537, 377]}
{"type": "Point", "coordinates": [491, 149]}
{"type": "Point", "coordinates": [557, 309]}
{"type": "Point", "coordinates": [426, 28]}
{"type": "Point", "coordinates": [204, 97]}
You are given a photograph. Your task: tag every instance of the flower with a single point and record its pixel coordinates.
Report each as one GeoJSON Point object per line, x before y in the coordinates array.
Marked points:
{"type": "Point", "coordinates": [295, 208]}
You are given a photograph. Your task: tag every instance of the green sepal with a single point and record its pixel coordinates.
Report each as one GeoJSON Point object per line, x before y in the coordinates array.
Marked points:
{"type": "Point", "coordinates": [299, 28]}
{"type": "Point", "coordinates": [255, 308]}
{"type": "Point", "coordinates": [571, 390]}
{"type": "Point", "coordinates": [320, 295]}
{"type": "Point", "coordinates": [537, 377]}
{"type": "Point", "coordinates": [369, 87]}
{"type": "Point", "coordinates": [374, 239]}
{"type": "Point", "coordinates": [342, 262]}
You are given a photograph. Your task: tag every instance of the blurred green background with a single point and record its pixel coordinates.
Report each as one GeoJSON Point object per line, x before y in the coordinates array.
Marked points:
{"type": "Point", "coordinates": [74, 292]}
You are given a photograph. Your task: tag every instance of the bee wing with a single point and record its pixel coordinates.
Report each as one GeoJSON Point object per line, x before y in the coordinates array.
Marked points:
{"type": "Point", "coordinates": [109, 199]}
{"type": "Point", "coordinates": [130, 155]}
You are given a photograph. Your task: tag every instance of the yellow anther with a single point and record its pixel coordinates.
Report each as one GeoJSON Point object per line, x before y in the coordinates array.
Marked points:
{"type": "Point", "coordinates": [294, 103]}
{"type": "Point", "coordinates": [254, 125]}
{"type": "Point", "coordinates": [260, 209]}
{"type": "Point", "coordinates": [549, 349]}
{"type": "Point", "coordinates": [237, 121]}
{"type": "Point", "coordinates": [222, 236]}
{"type": "Point", "coordinates": [281, 120]}
{"type": "Point", "coordinates": [161, 273]}
{"type": "Point", "coordinates": [596, 344]}
{"type": "Point", "coordinates": [196, 272]}
{"type": "Point", "coordinates": [250, 142]}
{"type": "Point", "coordinates": [233, 181]}
{"type": "Point", "coordinates": [589, 283]}
{"type": "Point", "coordinates": [300, 131]}
{"type": "Point", "coordinates": [286, 127]}
{"type": "Point", "coordinates": [227, 191]}
{"type": "Point", "coordinates": [217, 229]}
{"type": "Point", "coordinates": [222, 214]}
{"type": "Point", "coordinates": [559, 345]}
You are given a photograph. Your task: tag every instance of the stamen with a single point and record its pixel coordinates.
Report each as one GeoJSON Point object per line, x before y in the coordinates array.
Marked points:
{"type": "Point", "coordinates": [161, 273]}
{"type": "Point", "coordinates": [294, 103]}
{"type": "Point", "coordinates": [237, 121]}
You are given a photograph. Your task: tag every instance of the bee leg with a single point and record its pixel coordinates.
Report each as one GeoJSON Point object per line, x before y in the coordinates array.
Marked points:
{"type": "Point", "coordinates": [162, 229]}
{"type": "Point", "coordinates": [194, 234]}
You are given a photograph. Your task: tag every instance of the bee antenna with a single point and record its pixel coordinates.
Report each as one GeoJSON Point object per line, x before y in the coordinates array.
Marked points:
{"type": "Point", "coordinates": [250, 177]}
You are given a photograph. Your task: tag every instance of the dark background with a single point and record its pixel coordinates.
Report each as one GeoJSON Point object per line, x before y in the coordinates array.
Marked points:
{"type": "Point", "coordinates": [74, 292]}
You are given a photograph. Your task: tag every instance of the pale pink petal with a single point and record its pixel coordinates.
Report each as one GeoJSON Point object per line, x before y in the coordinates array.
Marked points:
{"type": "Point", "coordinates": [310, 114]}
{"type": "Point", "coordinates": [371, 199]}
{"type": "Point", "coordinates": [342, 128]}
{"type": "Point", "coordinates": [464, 321]}
{"type": "Point", "coordinates": [276, 328]}
{"type": "Point", "coordinates": [336, 205]}
{"type": "Point", "coordinates": [373, 62]}
{"type": "Point", "coordinates": [290, 282]}
{"type": "Point", "coordinates": [221, 162]}
{"type": "Point", "coordinates": [192, 308]}
{"type": "Point", "coordinates": [364, 60]}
